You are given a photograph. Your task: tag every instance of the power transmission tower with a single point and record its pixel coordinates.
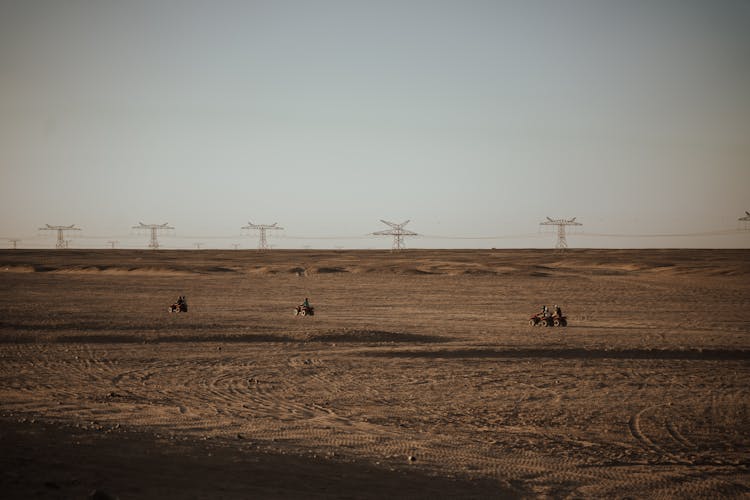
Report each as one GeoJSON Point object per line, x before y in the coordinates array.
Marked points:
{"type": "Point", "coordinates": [197, 245]}
{"type": "Point", "coordinates": [236, 246]}
{"type": "Point", "coordinates": [112, 243]}
{"type": "Point", "coordinates": [14, 242]}
{"type": "Point", "coordinates": [562, 242]}
{"type": "Point", "coordinates": [262, 228]}
{"type": "Point", "coordinates": [153, 228]}
{"type": "Point", "coordinates": [398, 232]}
{"type": "Point", "coordinates": [61, 241]}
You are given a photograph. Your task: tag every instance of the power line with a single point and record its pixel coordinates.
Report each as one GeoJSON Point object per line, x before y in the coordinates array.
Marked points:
{"type": "Point", "coordinates": [718, 232]}
{"type": "Point", "coordinates": [358, 237]}
{"type": "Point", "coordinates": [503, 237]}
{"type": "Point", "coordinates": [397, 231]}
{"type": "Point", "coordinates": [210, 237]}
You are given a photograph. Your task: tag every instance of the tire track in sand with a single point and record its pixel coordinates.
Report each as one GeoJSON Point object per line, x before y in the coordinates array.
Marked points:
{"type": "Point", "coordinates": [634, 425]}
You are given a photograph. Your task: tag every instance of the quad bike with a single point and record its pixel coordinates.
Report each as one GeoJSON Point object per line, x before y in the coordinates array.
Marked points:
{"type": "Point", "coordinates": [303, 310]}
{"type": "Point", "coordinates": [539, 319]}
{"type": "Point", "coordinates": [555, 320]}
{"type": "Point", "coordinates": [559, 320]}
{"type": "Point", "coordinates": [179, 306]}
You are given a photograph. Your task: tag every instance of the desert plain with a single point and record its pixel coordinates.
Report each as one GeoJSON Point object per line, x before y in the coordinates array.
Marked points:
{"type": "Point", "coordinates": [418, 376]}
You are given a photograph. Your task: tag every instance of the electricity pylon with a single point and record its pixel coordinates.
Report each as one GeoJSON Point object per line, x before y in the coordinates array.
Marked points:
{"type": "Point", "coordinates": [398, 232]}
{"type": "Point", "coordinates": [14, 242]}
{"type": "Point", "coordinates": [562, 242]}
{"type": "Point", "coordinates": [153, 228]}
{"type": "Point", "coordinates": [113, 243]}
{"type": "Point", "coordinates": [61, 241]}
{"type": "Point", "coordinates": [262, 228]}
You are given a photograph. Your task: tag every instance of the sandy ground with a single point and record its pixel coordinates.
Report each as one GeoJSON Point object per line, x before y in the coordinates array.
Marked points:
{"type": "Point", "coordinates": [421, 354]}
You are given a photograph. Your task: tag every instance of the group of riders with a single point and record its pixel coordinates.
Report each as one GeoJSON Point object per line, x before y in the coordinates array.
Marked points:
{"type": "Point", "coordinates": [545, 317]}
{"type": "Point", "coordinates": [180, 305]}
{"type": "Point", "coordinates": [545, 313]}
{"type": "Point", "coordinates": [306, 309]}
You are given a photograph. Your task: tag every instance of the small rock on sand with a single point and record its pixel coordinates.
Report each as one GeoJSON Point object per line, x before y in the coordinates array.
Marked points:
{"type": "Point", "coordinates": [101, 495]}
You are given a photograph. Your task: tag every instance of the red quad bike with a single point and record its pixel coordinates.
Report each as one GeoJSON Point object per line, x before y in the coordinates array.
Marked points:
{"type": "Point", "coordinates": [180, 307]}
{"type": "Point", "coordinates": [539, 320]}
{"type": "Point", "coordinates": [302, 310]}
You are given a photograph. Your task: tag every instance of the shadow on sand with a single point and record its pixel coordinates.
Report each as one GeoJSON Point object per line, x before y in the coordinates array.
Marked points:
{"type": "Point", "coordinates": [580, 353]}
{"type": "Point", "coordinates": [165, 339]}
{"type": "Point", "coordinates": [51, 461]}
{"type": "Point", "coordinates": [376, 336]}
{"type": "Point", "coordinates": [359, 336]}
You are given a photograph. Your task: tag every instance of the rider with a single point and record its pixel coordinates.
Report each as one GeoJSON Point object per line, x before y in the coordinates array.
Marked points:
{"type": "Point", "coordinates": [545, 311]}
{"type": "Point", "coordinates": [558, 311]}
{"type": "Point", "coordinates": [306, 303]}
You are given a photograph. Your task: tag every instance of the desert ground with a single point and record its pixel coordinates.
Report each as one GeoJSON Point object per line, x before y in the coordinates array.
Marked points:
{"type": "Point", "coordinates": [418, 376]}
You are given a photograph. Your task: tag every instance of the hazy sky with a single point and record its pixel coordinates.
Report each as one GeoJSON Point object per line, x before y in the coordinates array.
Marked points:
{"type": "Point", "coordinates": [471, 118]}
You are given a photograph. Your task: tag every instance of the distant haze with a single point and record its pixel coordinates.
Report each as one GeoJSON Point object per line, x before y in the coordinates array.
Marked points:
{"type": "Point", "coordinates": [471, 118]}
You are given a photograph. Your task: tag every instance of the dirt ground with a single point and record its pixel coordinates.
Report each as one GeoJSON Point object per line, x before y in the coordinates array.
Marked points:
{"type": "Point", "coordinates": [418, 376]}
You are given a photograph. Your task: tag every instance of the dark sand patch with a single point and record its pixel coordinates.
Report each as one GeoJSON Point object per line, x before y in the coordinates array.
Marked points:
{"type": "Point", "coordinates": [45, 460]}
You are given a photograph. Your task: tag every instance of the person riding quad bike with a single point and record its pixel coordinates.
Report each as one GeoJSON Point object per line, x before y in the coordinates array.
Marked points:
{"type": "Point", "coordinates": [304, 309]}
{"type": "Point", "coordinates": [180, 305]}
{"type": "Point", "coordinates": [558, 319]}
{"type": "Point", "coordinates": [545, 318]}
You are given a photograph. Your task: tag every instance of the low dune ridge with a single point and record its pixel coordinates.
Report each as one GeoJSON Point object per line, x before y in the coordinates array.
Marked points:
{"type": "Point", "coordinates": [436, 262]}
{"type": "Point", "coordinates": [420, 365]}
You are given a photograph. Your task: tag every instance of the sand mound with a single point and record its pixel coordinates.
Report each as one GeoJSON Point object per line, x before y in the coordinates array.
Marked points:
{"type": "Point", "coordinates": [536, 263]}
{"type": "Point", "coordinates": [17, 269]}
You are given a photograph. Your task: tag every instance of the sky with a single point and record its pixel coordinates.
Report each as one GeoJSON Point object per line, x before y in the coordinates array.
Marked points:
{"type": "Point", "coordinates": [470, 118]}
